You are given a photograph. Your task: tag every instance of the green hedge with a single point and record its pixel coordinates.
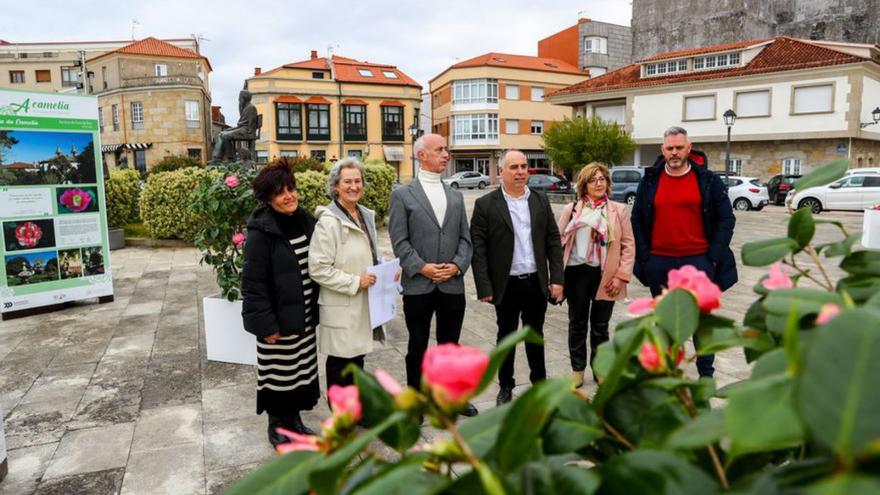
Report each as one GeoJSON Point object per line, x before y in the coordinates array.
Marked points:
{"type": "Point", "coordinates": [377, 194]}
{"type": "Point", "coordinates": [164, 204]}
{"type": "Point", "coordinates": [171, 163]}
{"type": "Point", "coordinates": [312, 189]}
{"type": "Point", "coordinates": [122, 190]}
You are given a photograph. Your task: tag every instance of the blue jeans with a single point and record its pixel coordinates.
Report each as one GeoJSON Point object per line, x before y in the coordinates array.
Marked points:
{"type": "Point", "coordinates": [656, 270]}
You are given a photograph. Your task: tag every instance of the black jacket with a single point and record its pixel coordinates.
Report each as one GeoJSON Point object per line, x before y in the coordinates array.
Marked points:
{"type": "Point", "coordinates": [718, 222]}
{"type": "Point", "coordinates": [271, 283]}
{"type": "Point", "coordinates": [493, 239]}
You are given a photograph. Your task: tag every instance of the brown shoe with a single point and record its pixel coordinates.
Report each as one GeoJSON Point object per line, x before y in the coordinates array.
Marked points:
{"type": "Point", "coordinates": [577, 378]}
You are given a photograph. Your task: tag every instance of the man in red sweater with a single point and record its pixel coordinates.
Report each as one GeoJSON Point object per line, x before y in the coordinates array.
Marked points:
{"type": "Point", "coordinates": [682, 216]}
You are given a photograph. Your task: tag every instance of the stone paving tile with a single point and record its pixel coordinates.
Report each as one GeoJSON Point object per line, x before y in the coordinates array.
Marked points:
{"type": "Point", "coordinates": [105, 482]}
{"type": "Point", "coordinates": [220, 480]}
{"type": "Point", "coordinates": [171, 383]}
{"type": "Point", "coordinates": [38, 423]}
{"type": "Point", "coordinates": [235, 442]}
{"type": "Point", "coordinates": [166, 427]}
{"type": "Point", "coordinates": [26, 467]}
{"type": "Point", "coordinates": [91, 450]}
{"type": "Point", "coordinates": [178, 470]}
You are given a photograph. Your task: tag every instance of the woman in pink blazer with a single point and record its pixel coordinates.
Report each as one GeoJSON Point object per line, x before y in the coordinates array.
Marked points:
{"type": "Point", "coordinates": [598, 254]}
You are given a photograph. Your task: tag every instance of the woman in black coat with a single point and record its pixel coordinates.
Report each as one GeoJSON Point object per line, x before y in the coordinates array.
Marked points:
{"type": "Point", "coordinates": [281, 301]}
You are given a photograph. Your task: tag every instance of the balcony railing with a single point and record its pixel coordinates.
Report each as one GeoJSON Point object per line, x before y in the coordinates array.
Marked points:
{"type": "Point", "coordinates": [137, 82]}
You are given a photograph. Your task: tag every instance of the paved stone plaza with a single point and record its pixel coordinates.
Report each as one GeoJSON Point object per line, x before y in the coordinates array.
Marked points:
{"type": "Point", "coordinates": [119, 397]}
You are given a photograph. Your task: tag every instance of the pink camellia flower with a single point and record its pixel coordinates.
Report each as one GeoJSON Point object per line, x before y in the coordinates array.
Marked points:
{"type": "Point", "coordinates": [388, 382]}
{"type": "Point", "coordinates": [232, 181]}
{"type": "Point", "coordinates": [453, 373]}
{"type": "Point", "coordinates": [828, 312]}
{"type": "Point", "coordinates": [777, 279]}
{"type": "Point", "coordinates": [238, 238]}
{"type": "Point", "coordinates": [28, 234]}
{"type": "Point", "coordinates": [345, 403]}
{"type": "Point", "coordinates": [678, 356]}
{"type": "Point", "coordinates": [641, 306]}
{"type": "Point", "coordinates": [298, 442]}
{"type": "Point", "coordinates": [76, 200]}
{"type": "Point", "coordinates": [650, 358]}
{"type": "Point", "coordinates": [707, 294]}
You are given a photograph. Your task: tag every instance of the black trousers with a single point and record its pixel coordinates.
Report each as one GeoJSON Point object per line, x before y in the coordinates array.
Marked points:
{"type": "Point", "coordinates": [418, 311]}
{"type": "Point", "coordinates": [656, 272]}
{"type": "Point", "coordinates": [333, 370]}
{"type": "Point", "coordinates": [524, 298]}
{"type": "Point", "coordinates": [581, 284]}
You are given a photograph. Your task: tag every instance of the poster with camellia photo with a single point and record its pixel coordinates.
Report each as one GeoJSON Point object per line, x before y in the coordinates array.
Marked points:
{"type": "Point", "coordinates": [53, 220]}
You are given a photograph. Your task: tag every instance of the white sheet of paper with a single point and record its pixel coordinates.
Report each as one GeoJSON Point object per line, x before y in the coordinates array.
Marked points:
{"type": "Point", "coordinates": [383, 294]}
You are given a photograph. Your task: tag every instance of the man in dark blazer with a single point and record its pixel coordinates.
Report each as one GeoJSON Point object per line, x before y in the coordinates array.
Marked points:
{"type": "Point", "coordinates": [517, 261]}
{"type": "Point", "coordinates": [429, 233]}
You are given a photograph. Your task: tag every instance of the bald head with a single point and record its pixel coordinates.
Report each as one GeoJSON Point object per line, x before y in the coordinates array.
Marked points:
{"type": "Point", "coordinates": [432, 153]}
{"type": "Point", "coordinates": [514, 170]}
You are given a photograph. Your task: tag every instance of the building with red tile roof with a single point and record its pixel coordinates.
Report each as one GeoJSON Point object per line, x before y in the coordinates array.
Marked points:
{"type": "Point", "coordinates": [798, 103]}
{"type": "Point", "coordinates": [333, 107]}
{"type": "Point", "coordinates": [496, 101]}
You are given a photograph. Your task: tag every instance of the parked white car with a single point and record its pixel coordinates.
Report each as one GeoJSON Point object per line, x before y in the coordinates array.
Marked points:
{"type": "Point", "coordinates": [746, 193]}
{"type": "Point", "coordinates": [467, 179]}
{"type": "Point", "coordinates": [853, 192]}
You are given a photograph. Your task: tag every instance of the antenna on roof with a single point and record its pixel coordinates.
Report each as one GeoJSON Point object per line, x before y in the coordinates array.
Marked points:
{"type": "Point", "coordinates": [134, 22]}
{"type": "Point", "coordinates": [330, 48]}
{"type": "Point", "coordinates": [197, 38]}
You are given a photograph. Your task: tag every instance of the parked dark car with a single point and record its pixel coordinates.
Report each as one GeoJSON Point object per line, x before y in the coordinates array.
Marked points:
{"type": "Point", "coordinates": [779, 185]}
{"type": "Point", "coordinates": [549, 184]}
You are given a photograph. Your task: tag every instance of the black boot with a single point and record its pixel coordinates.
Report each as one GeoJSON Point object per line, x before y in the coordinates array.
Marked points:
{"type": "Point", "coordinates": [275, 438]}
{"type": "Point", "coordinates": [295, 424]}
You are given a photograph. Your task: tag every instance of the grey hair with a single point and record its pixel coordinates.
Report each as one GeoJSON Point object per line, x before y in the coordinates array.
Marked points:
{"type": "Point", "coordinates": [336, 174]}
{"type": "Point", "coordinates": [504, 154]}
{"type": "Point", "coordinates": [675, 131]}
{"type": "Point", "coordinates": [420, 145]}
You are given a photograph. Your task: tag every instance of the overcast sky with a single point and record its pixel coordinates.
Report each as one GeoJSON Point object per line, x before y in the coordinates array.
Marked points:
{"type": "Point", "coordinates": [421, 38]}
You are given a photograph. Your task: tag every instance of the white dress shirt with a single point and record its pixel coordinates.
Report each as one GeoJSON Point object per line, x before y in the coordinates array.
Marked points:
{"type": "Point", "coordinates": [523, 250]}
{"type": "Point", "coordinates": [436, 195]}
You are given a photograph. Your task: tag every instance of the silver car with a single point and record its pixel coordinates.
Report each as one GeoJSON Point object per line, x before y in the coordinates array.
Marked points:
{"type": "Point", "coordinates": [467, 179]}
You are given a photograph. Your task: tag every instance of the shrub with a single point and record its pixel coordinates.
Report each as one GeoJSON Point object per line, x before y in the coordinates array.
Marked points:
{"type": "Point", "coordinates": [170, 163]}
{"type": "Point", "coordinates": [574, 143]}
{"type": "Point", "coordinates": [377, 195]}
{"type": "Point", "coordinates": [122, 189]}
{"type": "Point", "coordinates": [804, 421]}
{"type": "Point", "coordinates": [300, 163]}
{"type": "Point", "coordinates": [224, 201]}
{"type": "Point", "coordinates": [312, 189]}
{"type": "Point", "coordinates": [165, 201]}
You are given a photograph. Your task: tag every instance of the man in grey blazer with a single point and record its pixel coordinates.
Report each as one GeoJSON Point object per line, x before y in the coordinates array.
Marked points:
{"type": "Point", "coordinates": [429, 233]}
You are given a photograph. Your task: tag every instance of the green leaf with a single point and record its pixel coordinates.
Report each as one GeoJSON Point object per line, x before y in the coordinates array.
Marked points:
{"type": "Point", "coordinates": [874, 301]}
{"type": "Point", "coordinates": [703, 430]}
{"type": "Point", "coordinates": [714, 340]}
{"type": "Point", "coordinates": [622, 346]}
{"type": "Point", "coordinates": [481, 431]}
{"type": "Point", "coordinates": [572, 480]}
{"type": "Point", "coordinates": [678, 315]}
{"type": "Point", "coordinates": [287, 474]}
{"type": "Point", "coordinates": [406, 477]}
{"type": "Point", "coordinates": [378, 405]}
{"type": "Point", "coordinates": [574, 426]}
{"type": "Point", "coordinates": [652, 472]}
{"type": "Point", "coordinates": [859, 287]}
{"type": "Point", "coordinates": [499, 353]}
{"type": "Point", "coordinates": [801, 227]}
{"type": "Point", "coordinates": [767, 251]}
{"type": "Point", "coordinates": [773, 363]}
{"type": "Point", "coordinates": [324, 479]}
{"type": "Point", "coordinates": [525, 420]}
{"type": "Point", "coordinates": [807, 301]}
{"type": "Point", "coordinates": [838, 394]}
{"type": "Point", "coordinates": [491, 484]}
{"type": "Point", "coordinates": [846, 484]}
{"type": "Point", "coordinates": [839, 248]}
{"type": "Point", "coordinates": [823, 175]}
{"type": "Point", "coordinates": [645, 416]}
{"type": "Point", "coordinates": [761, 416]}
{"type": "Point", "coordinates": [862, 263]}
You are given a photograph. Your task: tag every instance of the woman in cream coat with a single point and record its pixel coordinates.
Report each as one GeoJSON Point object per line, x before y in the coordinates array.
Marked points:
{"type": "Point", "coordinates": [598, 255]}
{"type": "Point", "coordinates": [343, 246]}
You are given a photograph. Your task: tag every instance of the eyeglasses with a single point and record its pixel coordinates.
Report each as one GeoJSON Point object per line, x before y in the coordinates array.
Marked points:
{"type": "Point", "coordinates": [597, 180]}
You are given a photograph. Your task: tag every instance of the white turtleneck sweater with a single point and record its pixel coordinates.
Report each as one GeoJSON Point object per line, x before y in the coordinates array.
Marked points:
{"type": "Point", "coordinates": [436, 195]}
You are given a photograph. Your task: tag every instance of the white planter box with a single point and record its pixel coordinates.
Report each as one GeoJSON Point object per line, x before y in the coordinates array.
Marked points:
{"type": "Point", "coordinates": [225, 337]}
{"type": "Point", "coordinates": [871, 229]}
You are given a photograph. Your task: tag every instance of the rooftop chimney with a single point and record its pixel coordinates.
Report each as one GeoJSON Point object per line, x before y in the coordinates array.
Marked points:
{"type": "Point", "coordinates": [258, 71]}
{"type": "Point", "coordinates": [314, 54]}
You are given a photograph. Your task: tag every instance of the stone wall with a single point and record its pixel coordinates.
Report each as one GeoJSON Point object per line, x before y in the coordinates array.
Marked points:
{"type": "Point", "coordinates": [619, 45]}
{"type": "Point", "coordinates": [763, 159]}
{"type": "Point", "coordinates": [661, 26]}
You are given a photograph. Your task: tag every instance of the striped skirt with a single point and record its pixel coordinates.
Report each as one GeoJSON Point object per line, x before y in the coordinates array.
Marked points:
{"type": "Point", "coordinates": [287, 374]}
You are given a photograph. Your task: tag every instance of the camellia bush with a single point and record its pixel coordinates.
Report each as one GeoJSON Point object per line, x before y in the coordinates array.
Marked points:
{"type": "Point", "coordinates": [312, 189]}
{"type": "Point", "coordinates": [164, 204]}
{"type": "Point", "coordinates": [377, 193]}
{"type": "Point", "coordinates": [805, 422]}
{"type": "Point", "coordinates": [122, 189]}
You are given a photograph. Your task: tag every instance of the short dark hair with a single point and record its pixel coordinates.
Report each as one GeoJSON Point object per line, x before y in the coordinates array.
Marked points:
{"type": "Point", "coordinates": [273, 180]}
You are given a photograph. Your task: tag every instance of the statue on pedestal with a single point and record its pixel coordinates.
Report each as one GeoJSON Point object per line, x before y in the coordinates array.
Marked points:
{"type": "Point", "coordinates": [245, 130]}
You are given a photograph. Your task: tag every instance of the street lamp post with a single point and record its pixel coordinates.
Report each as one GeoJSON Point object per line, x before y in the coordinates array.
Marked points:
{"type": "Point", "coordinates": [415, 133]}
{"type": "Point", "coordinates": [875, 115]}
{"type": "Point", "coordinates": [729, 119]}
